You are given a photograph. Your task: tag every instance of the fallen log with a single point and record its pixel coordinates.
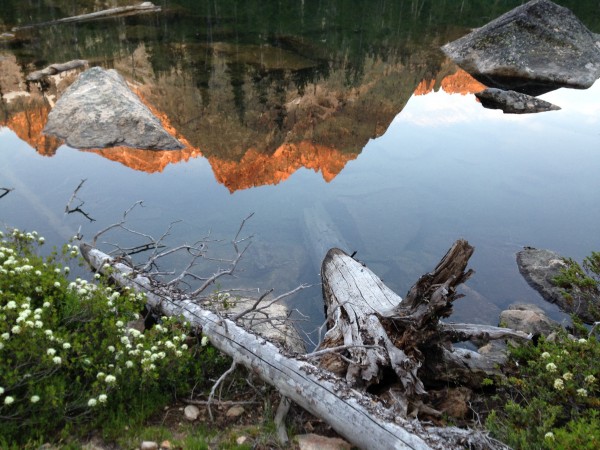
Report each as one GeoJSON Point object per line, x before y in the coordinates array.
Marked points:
{"type": "Point", "coordinates": [142, 8]}
{"type": "Point", "coordinates": [53, 69]}
{"type": "Point", "coordinates": [355, 415]}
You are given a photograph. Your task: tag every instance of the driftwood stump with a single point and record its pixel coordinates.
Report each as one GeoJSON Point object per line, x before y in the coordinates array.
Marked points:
{"type": "Point", "coordinates": [393, 346]}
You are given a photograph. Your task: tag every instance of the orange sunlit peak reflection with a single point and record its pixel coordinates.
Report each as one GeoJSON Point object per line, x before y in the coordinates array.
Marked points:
{"type": "Point", "coordinates": [254, 169]}
{"type": "Point", "coordinates": [459, 82]}
{"type": "Point", "coordinates": [28, 126]}
{"type": "Point", "coordinates": [257, 169]}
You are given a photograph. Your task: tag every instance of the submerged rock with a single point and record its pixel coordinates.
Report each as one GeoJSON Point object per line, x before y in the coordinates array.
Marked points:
{"type": "Point", "coordinates": [535, 48]}
{"type": "Point", "coordinates": [540, 267]}
{"type": "Point", "coordinates": [99, 110]}
{"type": "Point", "coordinates": [511, 102]}
{"type": "Point", "coordinates": [529, 319]}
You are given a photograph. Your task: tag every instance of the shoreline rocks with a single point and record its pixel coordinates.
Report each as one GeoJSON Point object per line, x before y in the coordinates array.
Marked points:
{"type": "Point", "coordinates": [540, 267]}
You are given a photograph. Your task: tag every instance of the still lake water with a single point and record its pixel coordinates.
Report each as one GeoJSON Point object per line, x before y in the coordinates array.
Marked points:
{"type": "Point", "coordinates": [307, 115]}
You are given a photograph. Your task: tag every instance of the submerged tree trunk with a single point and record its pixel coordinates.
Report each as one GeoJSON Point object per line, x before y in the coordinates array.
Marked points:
{"type": "Point", "coordinates": [142, 8]}
{"type": "Point", "coordinates": [360, 417]}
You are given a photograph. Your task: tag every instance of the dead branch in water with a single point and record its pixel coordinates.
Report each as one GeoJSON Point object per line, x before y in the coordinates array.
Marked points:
{"type": "Point", "coordinates": [5, 191]}
{"type": "Point", "coordinates": [77, 209]}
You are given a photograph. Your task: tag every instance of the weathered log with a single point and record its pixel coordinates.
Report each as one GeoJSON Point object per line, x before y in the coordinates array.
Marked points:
{"type": "Point", "coordinates": [479, 334]}
{"type": "Point", "coordinates": [354, 415]}
{"type": "Point", "coordinates": [379, 331]}
{"type": "Point", "coordinates": [53, 69]}
{"type": "Point", "coordinates": [142, 8]}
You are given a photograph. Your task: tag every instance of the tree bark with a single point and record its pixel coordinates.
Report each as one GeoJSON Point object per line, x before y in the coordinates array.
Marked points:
{"type": "Point", "coordinates": [355, 415]}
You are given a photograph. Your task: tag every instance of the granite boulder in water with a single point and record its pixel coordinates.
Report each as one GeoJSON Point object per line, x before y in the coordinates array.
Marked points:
{"type": "Point", "coordinates": [541, 267]}
{"type": "Point", "coordinates": [99, 110]}
{"type": "Point", "coordinates": [535, 48]}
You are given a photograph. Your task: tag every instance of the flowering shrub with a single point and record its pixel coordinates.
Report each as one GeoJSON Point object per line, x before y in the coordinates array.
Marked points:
{"type": "Point", "coordinates": [68, 358]}
{"type": "Point", "coordinates": [553, 398]}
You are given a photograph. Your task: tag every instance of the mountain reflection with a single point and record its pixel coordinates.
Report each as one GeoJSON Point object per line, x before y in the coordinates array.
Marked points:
{"type": "Point", "coordinates": [259, 94]}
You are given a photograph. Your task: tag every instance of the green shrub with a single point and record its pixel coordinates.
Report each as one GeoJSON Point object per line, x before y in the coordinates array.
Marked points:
{"type": "Point", "coordinates": [551, 399]}
{"type": "Point", "coordinates": [69, 361]}
{"type": "Point", "coordinates": [582, 282]}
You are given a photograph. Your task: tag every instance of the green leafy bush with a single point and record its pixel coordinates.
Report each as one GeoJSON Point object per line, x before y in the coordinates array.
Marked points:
{"type": "Point", "coordinates": [552, 398]}
{"type": "Point", "coordinates": [69, 361]}
{"type": "Point", "coordinates": [582, 282]}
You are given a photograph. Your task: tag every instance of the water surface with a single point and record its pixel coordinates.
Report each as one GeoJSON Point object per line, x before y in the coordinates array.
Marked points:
{"type": "Point", "coordinates": [344, 114]}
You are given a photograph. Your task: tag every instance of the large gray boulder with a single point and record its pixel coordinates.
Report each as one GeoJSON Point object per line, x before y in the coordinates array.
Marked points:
{"type": "Point", "coordinates": [540, 267]}
{"type": "Point", "coordinates": [99, 110]}
{"type": "Point", "coordinates": [534, 48]}
{"type": "Point", "coordinates": [511, 102]}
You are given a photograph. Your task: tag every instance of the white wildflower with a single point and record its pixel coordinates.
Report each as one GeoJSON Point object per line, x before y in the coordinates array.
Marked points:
{"type": "Point", "coordinates": [110, 379]}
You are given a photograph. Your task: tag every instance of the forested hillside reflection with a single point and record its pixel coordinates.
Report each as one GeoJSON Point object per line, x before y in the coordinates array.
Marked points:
{"type": "Point", "coordinates": [259, 88]}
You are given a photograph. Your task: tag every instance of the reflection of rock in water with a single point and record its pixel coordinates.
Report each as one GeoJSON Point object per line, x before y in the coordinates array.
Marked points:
{"type": "Point", "coordinates": [511, 102]}
{"type": "Point", "coordinates": [474, 307]}
{"type": "Point", "coordinates": [27, 119]}
{"type": "Point", "coordinates": [99, 110]}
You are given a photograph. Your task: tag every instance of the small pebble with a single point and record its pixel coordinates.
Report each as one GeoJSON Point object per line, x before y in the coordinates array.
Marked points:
{"type": "Point", "coordinates": [191, 412]}
{"type": "Point", "coordinates": [148, 445]}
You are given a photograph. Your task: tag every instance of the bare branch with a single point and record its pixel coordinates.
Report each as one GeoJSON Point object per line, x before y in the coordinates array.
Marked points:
{"type": "Point", "coordinates": [253, 307]}
{"type": "Point", "coordinates": [235, 239]}
{"type": "Point", "coordinates": [282, 410]}
{"type": "Point", "coordinates": [5, 191]}
{"type": "Point", "coordinates": [319, 353]}
{"type": "Point", "coordinates": [217, 383]}
{"type": "Point", "coordinates": [221, 273]}
{"type": "Point", "coordinates": [78, 209]}
{"type": "Point", "coordinates": [118, 224]}
{"type": "Point", "coordinates": [191, 401]}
